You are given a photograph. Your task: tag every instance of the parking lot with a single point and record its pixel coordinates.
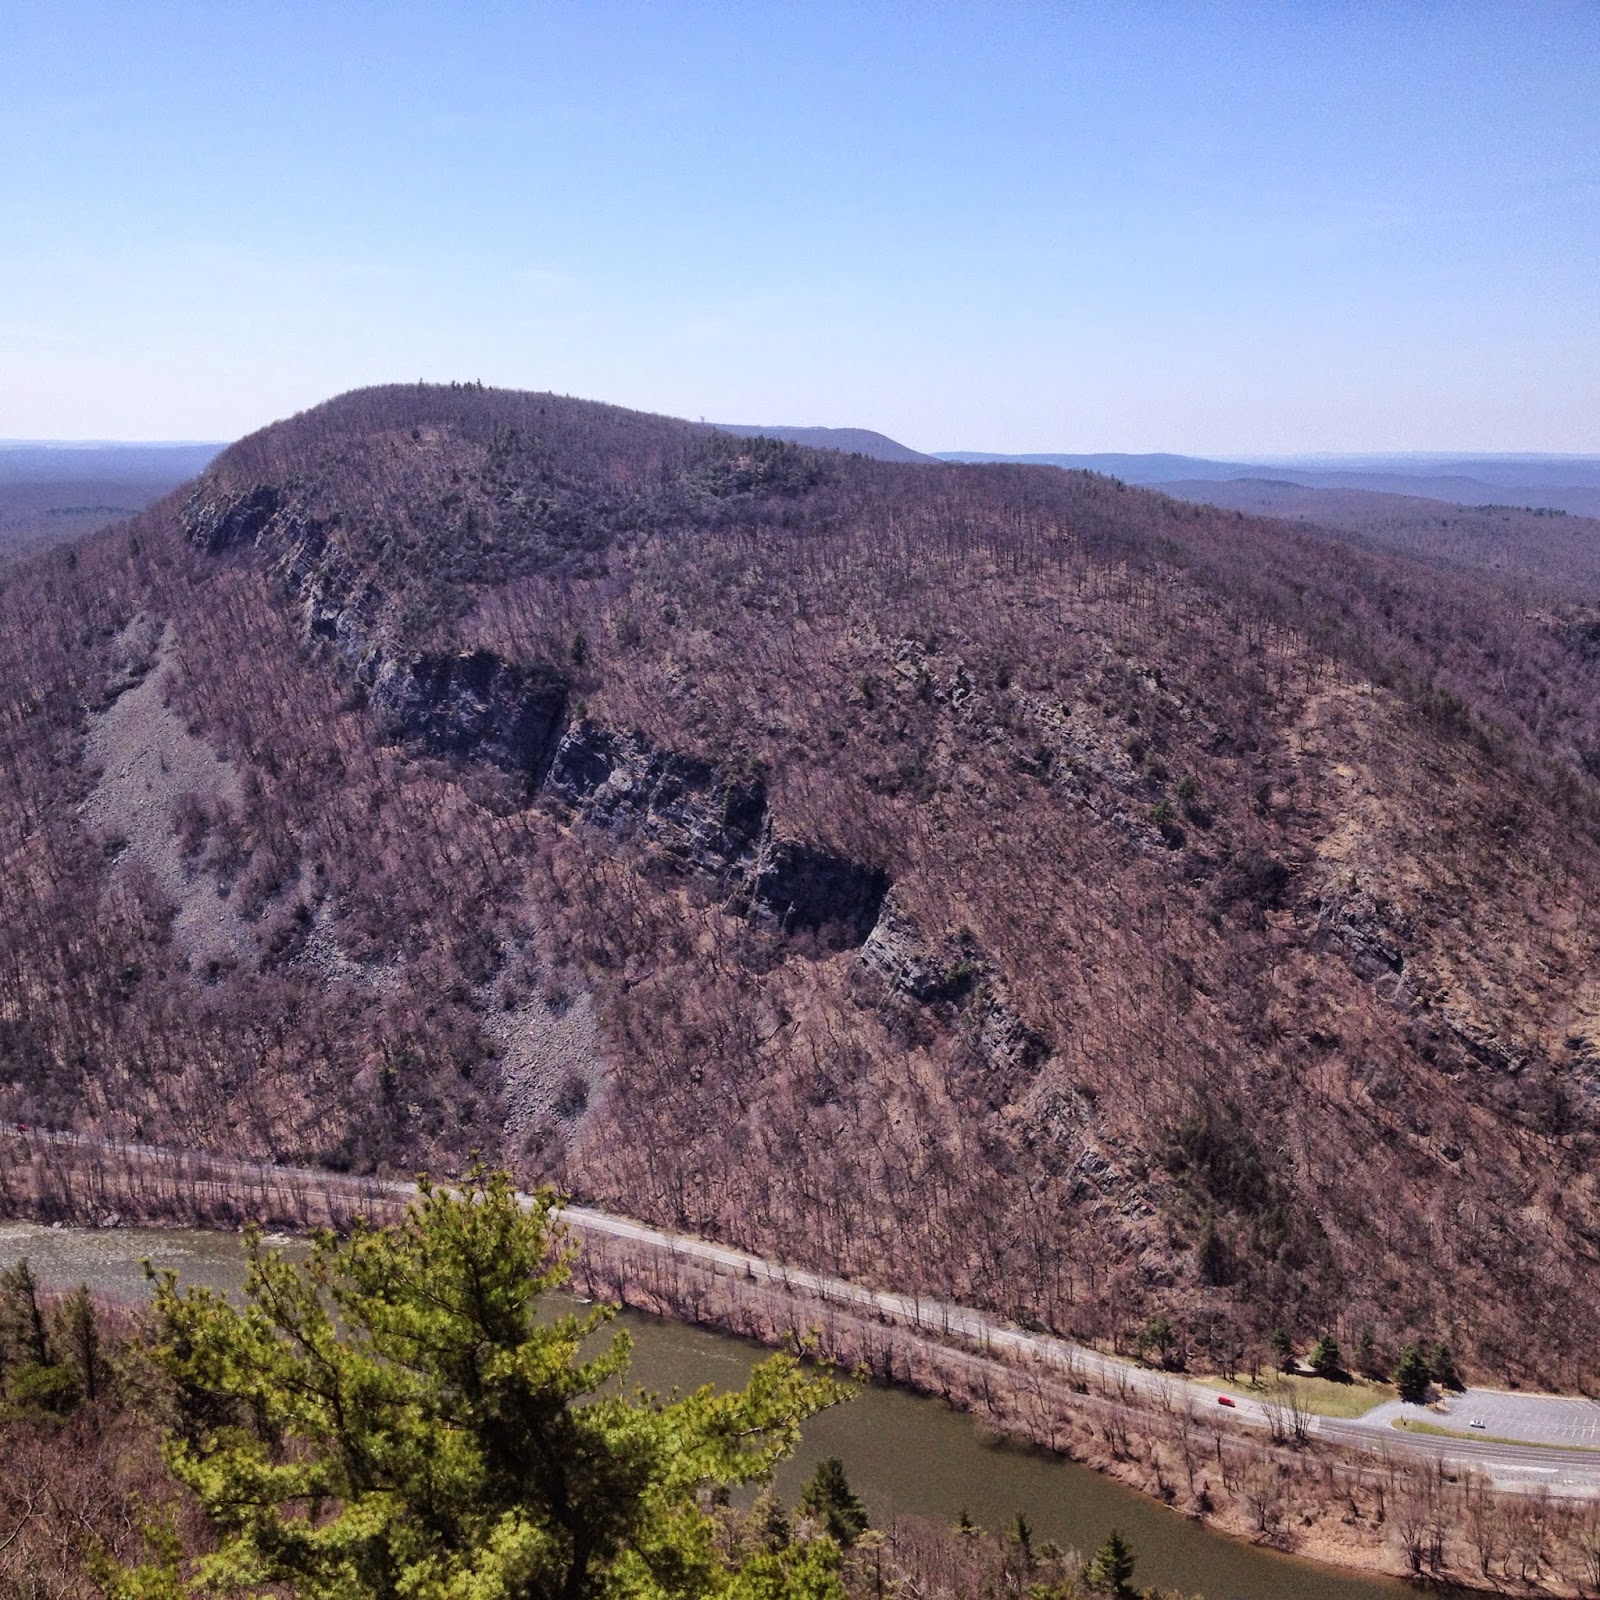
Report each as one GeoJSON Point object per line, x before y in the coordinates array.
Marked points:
{"type": "Point", "coordinates": [1529, 1418]}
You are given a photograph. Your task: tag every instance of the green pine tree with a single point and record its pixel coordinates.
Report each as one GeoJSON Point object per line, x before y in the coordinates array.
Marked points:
{"type": "Point", "coordinates": [1213, 1258]}
{"type": "Point", "coordinates": [1366, 1357]}
{"type": "Point", "coordinates": [1412, 1375]}
{"type": "Point", "coordinates": [1112, 1567]}
{"type": "Point", "coordinates": [1282, 1350]}
{"type": "Point", "coordinates": [829, 1498]}
{"type": "Point", "coordinates": [76, 1326]}
{"type": "Point", "coordinates": [1443, 1367]}
{"type": "Point", "coordinates": [1326, 1360]}
{"type": "Point", "coordinates": [394, 1417]}
{"type": "Point", "coordinates": [31, 1377]}
{"type": "Point", "coordinates": [1020, 1533]}
{"type": "Point", "coordinates": [23, 1337]}
{"type": "Point", "coordinates": [769, 1522]}
{"type": "Point", "coordinates": [1158, 1333]}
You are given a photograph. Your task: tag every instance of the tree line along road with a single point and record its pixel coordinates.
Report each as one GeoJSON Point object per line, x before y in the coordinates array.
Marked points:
{"type": "Point", "coordinates": [1529, 1442]}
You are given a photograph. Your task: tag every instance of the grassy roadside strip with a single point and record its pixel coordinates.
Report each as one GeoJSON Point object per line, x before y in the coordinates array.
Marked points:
{"type": "Point", "coordinates": [1320, 1396]}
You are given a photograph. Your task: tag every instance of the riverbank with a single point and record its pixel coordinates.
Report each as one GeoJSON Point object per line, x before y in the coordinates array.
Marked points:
{"type": "Point", "coordinates": [1382, 1510]}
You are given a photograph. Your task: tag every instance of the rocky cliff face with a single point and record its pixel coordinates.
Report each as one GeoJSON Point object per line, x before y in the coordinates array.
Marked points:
{"type": "Point", "coordinates": [475, 707]}
{"type": "Point", "coordinates": [804, 889]}
{"type": "Point", "coordinates": [709, 821]}
{"type": "Point", "coordinates": [1000, 1053]}
{"type": "Point", "coordinates": [218, 526]}
{"type": "Point", "coordinates": [472, 707]}
{"type": "Point", "coordinates": [691, 811]}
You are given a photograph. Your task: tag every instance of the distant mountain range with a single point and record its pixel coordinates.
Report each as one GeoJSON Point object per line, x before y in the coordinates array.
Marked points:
{"type": "Point", "coordinates": [1553, 482]}
{"type": "Point", "coordinates": [1561, 483]}
{"type": "Point", "coordinates": [50, 492]}
{"type": "Point", "coordinates": [853, 441]}
{"type": "Point", "coordinates": [36, 461]}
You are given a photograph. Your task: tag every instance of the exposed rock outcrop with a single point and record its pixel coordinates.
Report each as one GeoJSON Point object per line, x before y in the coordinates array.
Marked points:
{"type": "Point", "coordinates": [695, 812]}
{"type": "Point", "coordinates": [1002, 1041]}
{"type": "Point", "coordinates": [477, 707]}
{"type": "Point", "coordinates": [1000, 1051]}
{"type": "Point", "coordinates": [473, 707]}
{"type": "Point", "coordinates": [1068, 1123]}
{"type": "Point", "coordinates": [898, 952]}
{"type": "Point", "coordinates": [804, 889]}
{"type": "Point", "coordinates": [710, 821]}
{"type": "Point", "coordinates": [238, 520]}
{"type": "Point", "coordinates": [1370, 935]}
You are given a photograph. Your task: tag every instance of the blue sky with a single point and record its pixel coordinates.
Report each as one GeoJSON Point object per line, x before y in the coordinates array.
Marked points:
{"type": "Point", "coordinates": [1223, 229]}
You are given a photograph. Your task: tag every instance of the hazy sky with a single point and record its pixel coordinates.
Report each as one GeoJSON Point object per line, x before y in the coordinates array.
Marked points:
{"type": "Point", "coordinates": [1219, 229]}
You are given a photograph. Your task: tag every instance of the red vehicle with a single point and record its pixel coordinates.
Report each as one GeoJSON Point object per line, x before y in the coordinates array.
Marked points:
{"type": "Point", "coordinates": [1223, 1400]}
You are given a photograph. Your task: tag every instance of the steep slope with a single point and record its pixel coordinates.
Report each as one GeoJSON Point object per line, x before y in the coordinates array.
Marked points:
{"type": "Point", "coordinates": [988, 880]}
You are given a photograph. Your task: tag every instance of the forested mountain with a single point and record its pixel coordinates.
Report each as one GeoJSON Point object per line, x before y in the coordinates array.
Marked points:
{"type": "Point", "coordinates": [989, 880]}
{"type": "Point", "coordinates": [1546, 556]}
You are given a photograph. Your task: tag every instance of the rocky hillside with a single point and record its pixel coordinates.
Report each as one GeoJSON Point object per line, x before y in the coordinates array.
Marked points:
{"type": "Point", "coordinates": [989, 880]}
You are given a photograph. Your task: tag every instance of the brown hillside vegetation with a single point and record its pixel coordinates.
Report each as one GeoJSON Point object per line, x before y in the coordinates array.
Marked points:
{"type": "Point", "coordinates": [991, 881]}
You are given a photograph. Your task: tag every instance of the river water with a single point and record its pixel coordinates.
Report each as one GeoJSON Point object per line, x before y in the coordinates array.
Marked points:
{"type": "Point", "coordinates": [904, 1453]}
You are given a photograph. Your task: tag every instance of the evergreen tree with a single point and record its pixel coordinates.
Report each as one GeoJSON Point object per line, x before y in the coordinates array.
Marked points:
{"type": "Point", "coordinates": [1212, 1256]}
{"type": "Point", "coordinates": [1158, 1332]}
{"type": "Point", "coordinates": [393, 1417]}
{"type": "Point", "coordinates": [77, 1335]}
{"type": "Point", "coordinates": [1282, 1350]}
{"type": "Point", "coordinates": [1020, 1533]}
{"type": "Point", "coordinates": [770, 1522]}
{"type": "Point", "coordinates": [22, 1330]}
{"type": "Point", "coordinates": [1443, 1367]}
{"type": "Point", "coordinates": [1112, 1567]}
{"type": "Point", "coordinates": [1412, 1375]}
{"type": "Point", "coordinates": [829, 1498]}
{"type": "Point", "coordinates": [1325, 1358]}
{"type": "Point", "coordinates": [31, 1377]}
{"type": "Point", "coordinates": [1366, 1357]}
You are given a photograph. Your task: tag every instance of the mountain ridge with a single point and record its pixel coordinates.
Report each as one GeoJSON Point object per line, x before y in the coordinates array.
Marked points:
{"type": "Point", "coordinates": [1010, 885]}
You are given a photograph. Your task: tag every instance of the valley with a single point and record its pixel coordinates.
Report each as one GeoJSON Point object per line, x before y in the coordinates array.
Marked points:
{"type": "Point", "coordinates": [1134, 1423]}
{"type": "Point", "coordinates": [52, 493]}
{"type": "Point", "coordinates": [1140, 924]}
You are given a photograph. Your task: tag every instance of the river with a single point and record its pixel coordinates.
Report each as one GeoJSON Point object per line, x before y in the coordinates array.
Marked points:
{"type": "Point", "coordinates": [904, 1453]}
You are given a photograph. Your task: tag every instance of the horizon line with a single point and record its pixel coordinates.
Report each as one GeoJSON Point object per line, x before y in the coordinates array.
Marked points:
{"type": "Point", "coordinates": [1242, 457]}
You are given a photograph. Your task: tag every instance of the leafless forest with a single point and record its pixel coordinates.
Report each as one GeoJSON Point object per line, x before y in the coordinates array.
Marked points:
{"type": "Point", "coordinates": [990, 881]}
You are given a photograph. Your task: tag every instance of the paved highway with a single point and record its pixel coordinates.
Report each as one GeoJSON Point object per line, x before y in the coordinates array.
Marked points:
{"type": "Point", "coordinates": [1527, 1441]}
